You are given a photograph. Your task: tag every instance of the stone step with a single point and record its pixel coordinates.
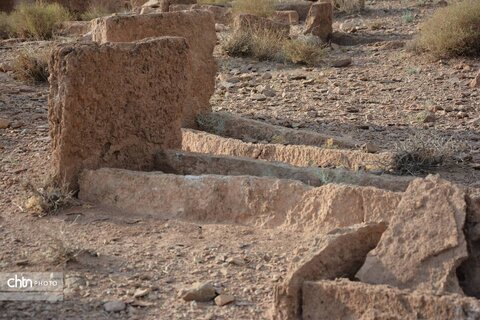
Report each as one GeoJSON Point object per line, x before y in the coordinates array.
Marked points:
{"type": "Point", "coordinates": [232, 126]}
{"type": "Point", "coordinates": [245, 200]}
{"type": "Point", "coordinates": [297, 155]}
{"type": "Point", "coordinates": [193, 163]}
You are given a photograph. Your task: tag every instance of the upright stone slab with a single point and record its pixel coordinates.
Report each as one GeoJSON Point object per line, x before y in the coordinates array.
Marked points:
{"type": "Point", "coordinates": [115, 105]}
{"type": "Point", "coordinates": [424, 243]}
{"type": "Point", "coordinates": [319, 20]}
{"type": "Point", "coordinates": [196, 26]}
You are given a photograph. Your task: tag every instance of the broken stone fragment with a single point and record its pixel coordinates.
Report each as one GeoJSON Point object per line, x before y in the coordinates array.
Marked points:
{"type": "Point", "coordinates": [339, 254]}
{"type": "Point", "coordinates": [201, 292]}
{"type": "Point", "coordinates": [224, 299]}
{"type": "Point", "coordinates": [347, 300]}
{"type": "Point", "coordinates": [424, 243]}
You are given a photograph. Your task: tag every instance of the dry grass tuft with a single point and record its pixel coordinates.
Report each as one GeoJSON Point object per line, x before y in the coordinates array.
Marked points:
{"type": "Point", "coordinates": [37, 20]}
{"type": "Point", "coordinates": [349, 6]}
{"type": "Point", "coordinates": [262, 44]}
{"type": "Point", "coordinates": [306, 50]}
{"type": "Point", "coordinates": [47, 198]}
{"type": "Point", "coordinates": [421, 153]}
{"type": "Point", "coordinates": [32, 66]}
{"type": "Point", "coordinates": [266, 44]}
{"type": "Point", "coordinates": [261, 8]}
{"type": "Point", "coordinates": [98, 9]}
{"type": "Point", "coordinates": [452, 31]}
{"type": "Point", "coordinates": [5, 26]}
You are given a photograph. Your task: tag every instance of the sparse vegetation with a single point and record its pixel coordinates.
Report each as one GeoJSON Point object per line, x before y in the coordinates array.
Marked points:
{"type": "Point", "coordinates": [47, 198]}
{"type": "Point", "coordinates": [421, 153]}
{"type": "Point", "coordinates": [37, 20]}
{"type": "Point", "coordinates": [305, 50]}
{"type": "Point", "coordinates": [452, 31]}
{"type": "Point", "coordinates": [97, 10]}
{"type": "Point", "coordinates": [270, 45]}
{"type": "Point", "coordinates": [262, 8]}
{"type": "Point", "coordinates": [408, 16]}
{"type": "Point", "coordinates": [349, 6]}
{"type": "Point", "coordinates": [32, 66]}
{"type": "Point", "coordinates": [5, 26]}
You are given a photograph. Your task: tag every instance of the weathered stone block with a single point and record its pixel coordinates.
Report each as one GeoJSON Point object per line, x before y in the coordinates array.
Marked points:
{"type": "Point", "coordinates": [338, 254]}
{"type": "Point", "coordinates": [196, 26]}
{"type": "Point", "coordinates": [346, 300]}
{"type": "Point", "coordinates": [114, 105]}
{"type": "Point", "coordinates": [255, 201]}
{"type": "Point", "coordinates": [424, 243]}
{"type": "Point", "coordinates": [319, 21]}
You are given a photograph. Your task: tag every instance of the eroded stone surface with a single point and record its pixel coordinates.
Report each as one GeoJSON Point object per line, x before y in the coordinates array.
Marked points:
{"type": "Point", "coordinates": [424, 243]}
{"type": "Point", "coordinates": [196, 26]}
{"type": "Point", "coordinates": [338, 254]}
{"type": "Point", "coordinates": [192, 163]}
{"type": "Point", "coordinates": [255, 201]}
{"type": "Point", "coordinates": [232, 126]}
{"type": "Point", "coordinates": [319, 20]}
{"type": "Point", "coordinates": [345, 300]}
{"type": "Point", "coordinates": [298, 155]}
{"type": "Point", "coordinates": [111, 105]}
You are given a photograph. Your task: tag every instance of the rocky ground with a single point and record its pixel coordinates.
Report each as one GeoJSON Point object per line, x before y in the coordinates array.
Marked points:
{"type": "Point", "coordinates": [384, 96]}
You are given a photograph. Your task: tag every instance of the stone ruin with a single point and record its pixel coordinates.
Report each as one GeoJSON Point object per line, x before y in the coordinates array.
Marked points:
{"type": "Point", "coordinates": [385, 247]}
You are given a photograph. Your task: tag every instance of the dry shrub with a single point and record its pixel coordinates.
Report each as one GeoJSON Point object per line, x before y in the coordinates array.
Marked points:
{"type": "Point", "coordinates": [266, 44]}
{"type": "Point", "coordinates": [423, 152]}
{"type": "Point", "coordinates": [261, 8]}
{"type": "Point", "coordinates": [46, 197]}
{"type": "Point", "coordinates": [32, 66]}
{"type": "Point", "coordinates": [38, 20]}
{"type": "Point", "coordinates": [98, 9]}
{"type": "Point", "coordinates": [262, 44]}
{"type": "Point", "coordinates": [5, 26]}
{"type": "Point", "coordinates": [307, 50]}
{"type": "Point", "coordinates": [214, 2]}
{"type": "Point", "coordinates": [452, 31]}
{"type": "Point", "coordinates": [349, 6]}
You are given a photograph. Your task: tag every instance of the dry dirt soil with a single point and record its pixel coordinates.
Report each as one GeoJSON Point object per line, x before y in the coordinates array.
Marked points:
{"type": "Point", "coordinates": [383, 97]}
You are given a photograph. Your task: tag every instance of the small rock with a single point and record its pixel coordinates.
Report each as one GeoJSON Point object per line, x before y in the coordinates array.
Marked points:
{"type": "Point", "coordinates": [429, 117]}
{"type": "Point", "coordinates": [114, 306]}
{"type": "Point", "coordinates": [370, 148]}
{"type": "Point", "coordinates": [201, 292]}
{"type": "Point", "coordinates": [16, 124]}
{"type": "Point", "coordinates": [141, 293]}
{"type": "Point", "coordinates": [236, 261]}
{"type": "Point", "coordinates": [476, 82]}
{"type": "Point", "coordinates": [341, 63]}
{"type": "Point", "coordinates": [259, 97]}
{"type": "Point", "coordinates": [4, 123]}
{"type": "Point", "coordinates": [266, 76]}
{"type": "Point", "coordinates": [224, 299]}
